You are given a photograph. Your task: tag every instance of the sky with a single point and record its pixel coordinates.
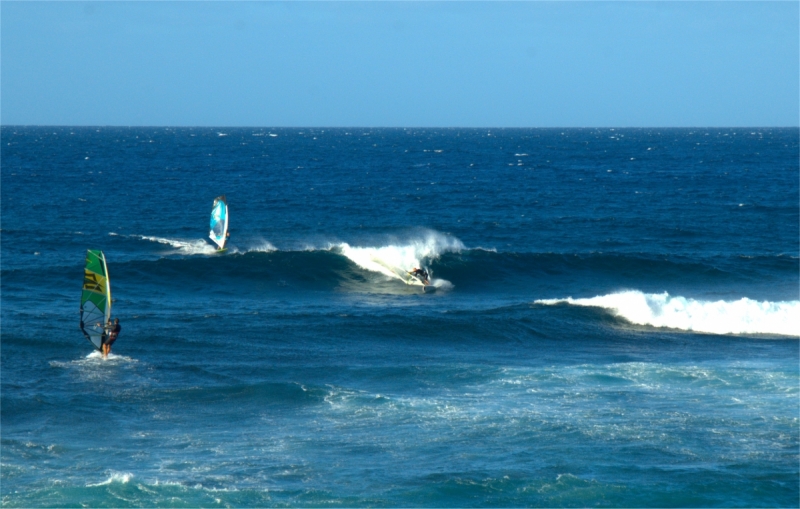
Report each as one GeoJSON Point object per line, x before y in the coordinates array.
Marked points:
{"type": "Point", "coordinates": [400, 64]}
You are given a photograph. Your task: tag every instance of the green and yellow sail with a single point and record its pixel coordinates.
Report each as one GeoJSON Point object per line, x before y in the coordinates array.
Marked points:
{"type": "Point", "coordinates": [95, 298]}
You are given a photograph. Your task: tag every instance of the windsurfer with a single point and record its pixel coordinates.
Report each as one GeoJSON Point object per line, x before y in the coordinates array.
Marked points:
{"type": "Point", "coordinates": [422, 274]}
{"type": "Point", "coordinates": [113, 332]}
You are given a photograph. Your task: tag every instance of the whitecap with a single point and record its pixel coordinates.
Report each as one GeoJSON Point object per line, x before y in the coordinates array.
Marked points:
{"type": "Point", "coordinates": [116, 477]}
{"type": "Point", "coordinates": [743, 316]}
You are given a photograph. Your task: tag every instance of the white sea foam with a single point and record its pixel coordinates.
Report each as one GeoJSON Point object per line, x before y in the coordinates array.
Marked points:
{"type": "Point", "coordinates": [743, 316]}
{"type": "Point", "coordinates": [91, 360]}
{"type": "Point", "coordinates": [97, 356]}
{"type": "Point", "coordinates": [116, 477]}
{"type": "Point", "coordinates": [394, 260]}
{"type": "Point", "coordinates": [441, 284]}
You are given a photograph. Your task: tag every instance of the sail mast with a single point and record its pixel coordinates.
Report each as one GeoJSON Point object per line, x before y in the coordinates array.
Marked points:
{"type": "Point", "coordinates": [108, 289]}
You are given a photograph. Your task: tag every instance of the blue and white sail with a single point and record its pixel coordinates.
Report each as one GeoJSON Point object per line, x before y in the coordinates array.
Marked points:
{"type": "Point", "coordinates": [219, 222]}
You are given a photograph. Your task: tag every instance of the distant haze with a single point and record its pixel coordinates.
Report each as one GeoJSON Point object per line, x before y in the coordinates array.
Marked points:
{"type": "Point", "coordinates": [390, 64]}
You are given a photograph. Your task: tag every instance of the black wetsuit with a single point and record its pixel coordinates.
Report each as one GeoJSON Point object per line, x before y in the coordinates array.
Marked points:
{"type": "Point", "coordinates": [112, 335]}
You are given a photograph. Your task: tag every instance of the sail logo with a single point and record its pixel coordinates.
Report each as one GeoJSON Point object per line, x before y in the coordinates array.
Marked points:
{"type": "Point", "coordinates": [94, 282]}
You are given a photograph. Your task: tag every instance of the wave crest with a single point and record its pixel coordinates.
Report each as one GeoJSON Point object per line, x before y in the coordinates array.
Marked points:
{"type": "Point", "coordinates": [743, 316]}
{"type": "Point", "coordinates": [394, 260]}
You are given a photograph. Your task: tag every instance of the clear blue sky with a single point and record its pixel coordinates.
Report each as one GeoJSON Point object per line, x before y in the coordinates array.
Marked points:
{"type": "Point", "coordinates": [450, 64]}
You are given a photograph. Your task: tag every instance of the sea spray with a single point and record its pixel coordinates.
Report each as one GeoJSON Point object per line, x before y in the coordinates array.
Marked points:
{"type": "Point", "coordinates": [262, 246]}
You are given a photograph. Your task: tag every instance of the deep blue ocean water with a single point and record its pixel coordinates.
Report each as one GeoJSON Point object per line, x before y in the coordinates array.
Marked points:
{"type": "Point", "coordinates": [616, 318]}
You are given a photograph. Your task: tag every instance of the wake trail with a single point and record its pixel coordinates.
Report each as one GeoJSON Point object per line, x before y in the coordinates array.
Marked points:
{"type": "Point", "coordinates": [202, 247]}
{"type": "Point", "coordinates": [188, 247]}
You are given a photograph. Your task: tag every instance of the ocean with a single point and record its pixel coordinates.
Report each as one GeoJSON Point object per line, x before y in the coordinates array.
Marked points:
{"type": "Point", "coordinates": [615, 322]}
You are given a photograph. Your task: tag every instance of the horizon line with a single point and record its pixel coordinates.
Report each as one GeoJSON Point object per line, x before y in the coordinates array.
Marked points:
{"type": "Point", "coordinates": [394, 127]}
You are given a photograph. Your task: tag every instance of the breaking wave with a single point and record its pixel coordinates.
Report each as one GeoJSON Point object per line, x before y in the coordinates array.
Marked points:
{"type": "Point", "coordinates": [743, 316]}
{"type": "Point", "coordinates": [393, 260]}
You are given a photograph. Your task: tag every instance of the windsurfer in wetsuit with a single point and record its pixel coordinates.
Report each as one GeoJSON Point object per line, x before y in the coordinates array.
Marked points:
{"type": "Point", "coordinates": [113, 332]}
{"type": "Point", "coordinates": [422, 274]}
